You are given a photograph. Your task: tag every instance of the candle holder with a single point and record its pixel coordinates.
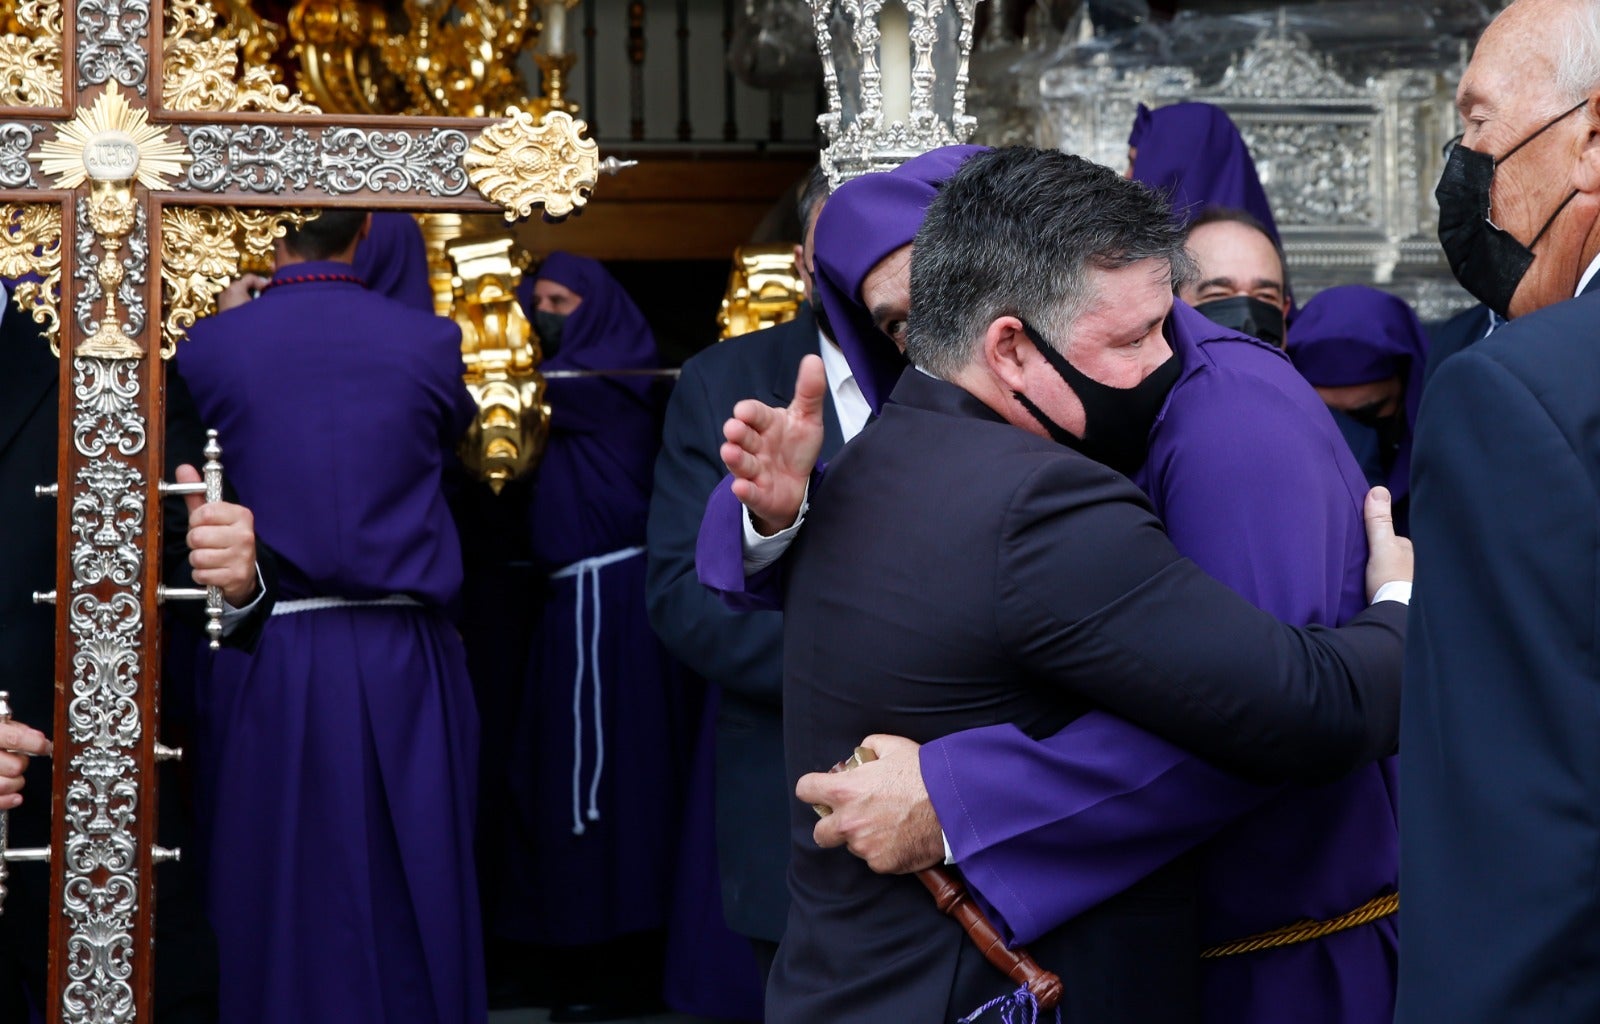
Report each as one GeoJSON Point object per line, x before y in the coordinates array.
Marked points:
{"type": "Point", "coordinates": [553, 68]}
{"type": "Point", "coordinates": [895, 73]}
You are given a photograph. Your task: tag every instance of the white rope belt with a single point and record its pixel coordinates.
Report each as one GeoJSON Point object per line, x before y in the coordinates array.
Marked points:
{"type": "Point", "coordinates": [316, 604]}
{"type": "Point", "coordinates": [587, 573]}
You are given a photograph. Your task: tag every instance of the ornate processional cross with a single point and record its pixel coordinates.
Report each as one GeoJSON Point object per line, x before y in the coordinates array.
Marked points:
{"type": "Point", "coordinates": [129, 141]}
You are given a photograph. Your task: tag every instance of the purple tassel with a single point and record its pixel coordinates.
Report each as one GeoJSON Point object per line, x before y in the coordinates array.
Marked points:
{"type": "Point", "coordinates": [1012, 1007]}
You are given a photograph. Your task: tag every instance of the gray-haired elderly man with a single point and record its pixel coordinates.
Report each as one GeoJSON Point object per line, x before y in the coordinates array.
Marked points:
{"type": "Point", "coordinates": [1500, 822]}
{"type": "Point", "coordinates": [961, 568]}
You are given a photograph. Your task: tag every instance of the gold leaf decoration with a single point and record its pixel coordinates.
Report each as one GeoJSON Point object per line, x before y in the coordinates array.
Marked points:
{"type": "Point", "coordinates": [113, 119]}
{"type": "Point", "coordinates": [259, 38]}
{"type": "Point", "coordinates": [458, 58]}
{"type": "Point", "coordinates": [30, 242]}
{"type": "Point", "coordinates": [30, 64]}
{"type": "Point", "coordinates": [519, 164]}
{"type": "Point", "coordinates": [201, 249]}
{"type": "Point", "coordinates": [201, 68]}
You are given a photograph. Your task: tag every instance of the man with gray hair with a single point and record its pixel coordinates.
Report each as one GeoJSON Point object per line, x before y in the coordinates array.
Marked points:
{"type": "Point", "coordinates": [1042, 589]}
{"type": "Point", "coordinates": [1500, 824]}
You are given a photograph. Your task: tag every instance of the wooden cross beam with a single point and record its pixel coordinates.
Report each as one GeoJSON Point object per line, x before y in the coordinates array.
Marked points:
{"type": "Point", "coordinates": [129, 137]}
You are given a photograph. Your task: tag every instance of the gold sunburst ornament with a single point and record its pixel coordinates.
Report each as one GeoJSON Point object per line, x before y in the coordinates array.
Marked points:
{"type": "Point", "coordinates": [112, 141]}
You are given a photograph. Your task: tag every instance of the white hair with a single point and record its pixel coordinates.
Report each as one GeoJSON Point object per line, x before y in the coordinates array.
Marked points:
{"type": "Point", "coordinates": [1578, 58]}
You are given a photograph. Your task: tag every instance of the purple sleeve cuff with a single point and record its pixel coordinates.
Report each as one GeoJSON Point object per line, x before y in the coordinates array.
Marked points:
{"type": "Point", "coordinates": [1045, 829]}
{"type": "Point", "coordinates": [719, 556]}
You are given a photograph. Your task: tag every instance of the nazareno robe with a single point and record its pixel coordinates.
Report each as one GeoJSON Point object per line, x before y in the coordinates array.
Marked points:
{"type": "Point", "coordinates": [1356, 334]}
{"type": "Point", "coordinates": [1194, 155]}
{"type": "Point", "coordinates": [343, 753]}
{"type": "Point", "coordinates": [393, 260]}
{"type": "Point", "coordinates": [1122, 803]}
{"type": "Point", "coordinates": [601, 746]}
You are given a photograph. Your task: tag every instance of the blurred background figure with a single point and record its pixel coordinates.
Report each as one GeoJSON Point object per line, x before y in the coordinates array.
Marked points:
{"type": "Point", "coordinates": [1365, 352]}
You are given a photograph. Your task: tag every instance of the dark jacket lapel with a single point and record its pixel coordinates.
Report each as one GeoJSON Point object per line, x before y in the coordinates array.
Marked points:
{"type": "Point", "coordinates": [800, 339]}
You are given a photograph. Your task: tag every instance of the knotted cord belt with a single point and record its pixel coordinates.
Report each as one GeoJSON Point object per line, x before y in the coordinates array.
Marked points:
{"type": "Point", "coordinates": [1305, 931]}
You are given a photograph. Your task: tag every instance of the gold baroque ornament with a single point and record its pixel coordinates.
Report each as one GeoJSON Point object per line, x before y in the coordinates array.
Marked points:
{"type": "Point", "coordinates": [201, 247]}
{"type": "Point", "coordinates": [30, 242]}
{"type": "Point", "coordinates": [112, 140]}
{"type": "Point", "coordinates": [200, 69]}
{"type": "Point", "coordinates": [30, 65]}
{"type": "Point", "coordinates": [519, 164]}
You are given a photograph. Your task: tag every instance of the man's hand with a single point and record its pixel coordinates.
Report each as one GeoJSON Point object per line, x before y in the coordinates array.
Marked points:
{"type": "Point", "coordinates": [241, 291]}
{"type": "Point", "coordinates": [881, 810]}
{"type": "Point", "coordinates": [1389, 558]}
{"type": "Point", "coordinates": [17, 743]}
{"type": "Point", "coordinates": [771, 452]}
{"type": "Point", "coordinates": [222, 543]}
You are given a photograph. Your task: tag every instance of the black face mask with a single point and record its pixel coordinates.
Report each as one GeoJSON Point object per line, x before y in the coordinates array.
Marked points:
{"type": "Point", "coordinates": [1247, 316]}
{"type": "Point", "coordinates": [1116, 421]}
{"type": "Point", "coordinates": [549, 326]}
{"type": "Point", "coordinates": [1390, 429]}
{"type": "Point", "coordinates": [1487, 261]}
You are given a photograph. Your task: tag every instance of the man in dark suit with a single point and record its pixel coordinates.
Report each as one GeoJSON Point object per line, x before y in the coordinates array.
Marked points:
{"type": "Point", "coordinates": [223, 540]}
{"type": "Point", "coordinates": [1447, 337]}
{"type": "Point", "coordinates": [1500, 822]}
{"type": "Point", "coordinates": [741, 653]}
{"type": "Point", "coordinates": [961, 568]}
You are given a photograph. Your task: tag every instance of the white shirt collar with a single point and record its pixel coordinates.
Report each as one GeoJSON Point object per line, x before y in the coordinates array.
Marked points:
{"type": "Point", "coordinates": [849, 404]}
{"type": "Point", "coordinates": [1588, 275]}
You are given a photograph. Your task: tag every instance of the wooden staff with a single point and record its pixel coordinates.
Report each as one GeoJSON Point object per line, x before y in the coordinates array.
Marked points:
{"type": "Point", "coordinates": [951, 897]}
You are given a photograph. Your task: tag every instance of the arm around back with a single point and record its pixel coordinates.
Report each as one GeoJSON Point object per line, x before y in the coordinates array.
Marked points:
{"type": "Point", "coordinates": [1094, 598]}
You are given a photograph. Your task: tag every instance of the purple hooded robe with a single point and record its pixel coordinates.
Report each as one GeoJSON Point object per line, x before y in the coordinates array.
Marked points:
{"type": "Point", "coordinates": [600, 747]}
{"type": "Point", "coordinates": [342, 755]}
{"type": "Point", "coordinates": [1355, 334]}
{"type": "Point", "coordinates": [393, 260]}
{"type": "Point", "coordinates": [1121, 802]}
{"type": "Point", "coordinates": [1192, 154]}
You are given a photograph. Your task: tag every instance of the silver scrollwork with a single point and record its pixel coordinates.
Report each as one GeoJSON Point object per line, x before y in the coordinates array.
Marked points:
{"type": "Point", "coordinates": [86, 271]}
{"type": "Point", "coordinates": [107, 415]}
{"type": "Point", "coordinates": [130, 293]}
{"type": "Point", "coordinates": [104, 710]}
{"type": "Point", "coordinates": [107, 518]}
{"type": "Point", "coordinates": [342, 161]}
{"type": "Point", "coordinates": [111, 42]}
{"type": "Point", "coordinates": [16, 171]}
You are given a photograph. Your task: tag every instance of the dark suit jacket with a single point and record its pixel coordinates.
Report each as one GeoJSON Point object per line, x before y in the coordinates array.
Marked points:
{"type": "Point", "coordinates": [957, 572]}
{"type": "Point", "coordinates": [1500, 821]}
{"type": "Point", "coordinates": [185, 982]}
{"type": "Point", "coordinates": [742, 653]}
{"type": "Point", "coordinates": [1451, 336]}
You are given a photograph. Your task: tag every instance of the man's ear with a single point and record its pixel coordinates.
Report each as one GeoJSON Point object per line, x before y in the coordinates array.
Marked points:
{"type": "Point", "coordinates": [1586, 175]}
{"type": "Point", "coordinates": [1006, 351]}
{"type": "Point", "coordinates": [366, 229]}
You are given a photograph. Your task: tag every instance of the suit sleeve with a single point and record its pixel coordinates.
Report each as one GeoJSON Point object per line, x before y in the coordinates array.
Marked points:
{"type": "Point", "coordinates": [740, 651]}
{"type": "Point", "coordinates": [1500, 821]}
{"type": "Point", "coordinates": [1096, 600]}
{"type": "Point", "coordinates": [1122, 802]}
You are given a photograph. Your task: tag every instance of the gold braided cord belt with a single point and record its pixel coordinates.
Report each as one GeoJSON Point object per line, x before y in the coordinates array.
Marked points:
{"type": "Point", "coordinates": [1305, 931]}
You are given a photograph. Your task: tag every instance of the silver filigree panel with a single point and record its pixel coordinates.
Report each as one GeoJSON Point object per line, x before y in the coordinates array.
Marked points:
{"type": "Point", "coordinates": [111, 42]}
{"type": "Point", "coordinates": [107, 520]}
{"type": "Point", "coordinates": [1317, 173]}
{"type": "Point", "coordinates": [1349, 166]}
{"type": "Point", "coordinates": [343, 161]}
{"type": "Point", "coordinates": [106, 417]}
{"type": "Point", "coordinates": [101, 805]}
{"type": "Point", "coordinates": [16, 170]}
{"type": "Point", "coordinates": [86, 271]}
